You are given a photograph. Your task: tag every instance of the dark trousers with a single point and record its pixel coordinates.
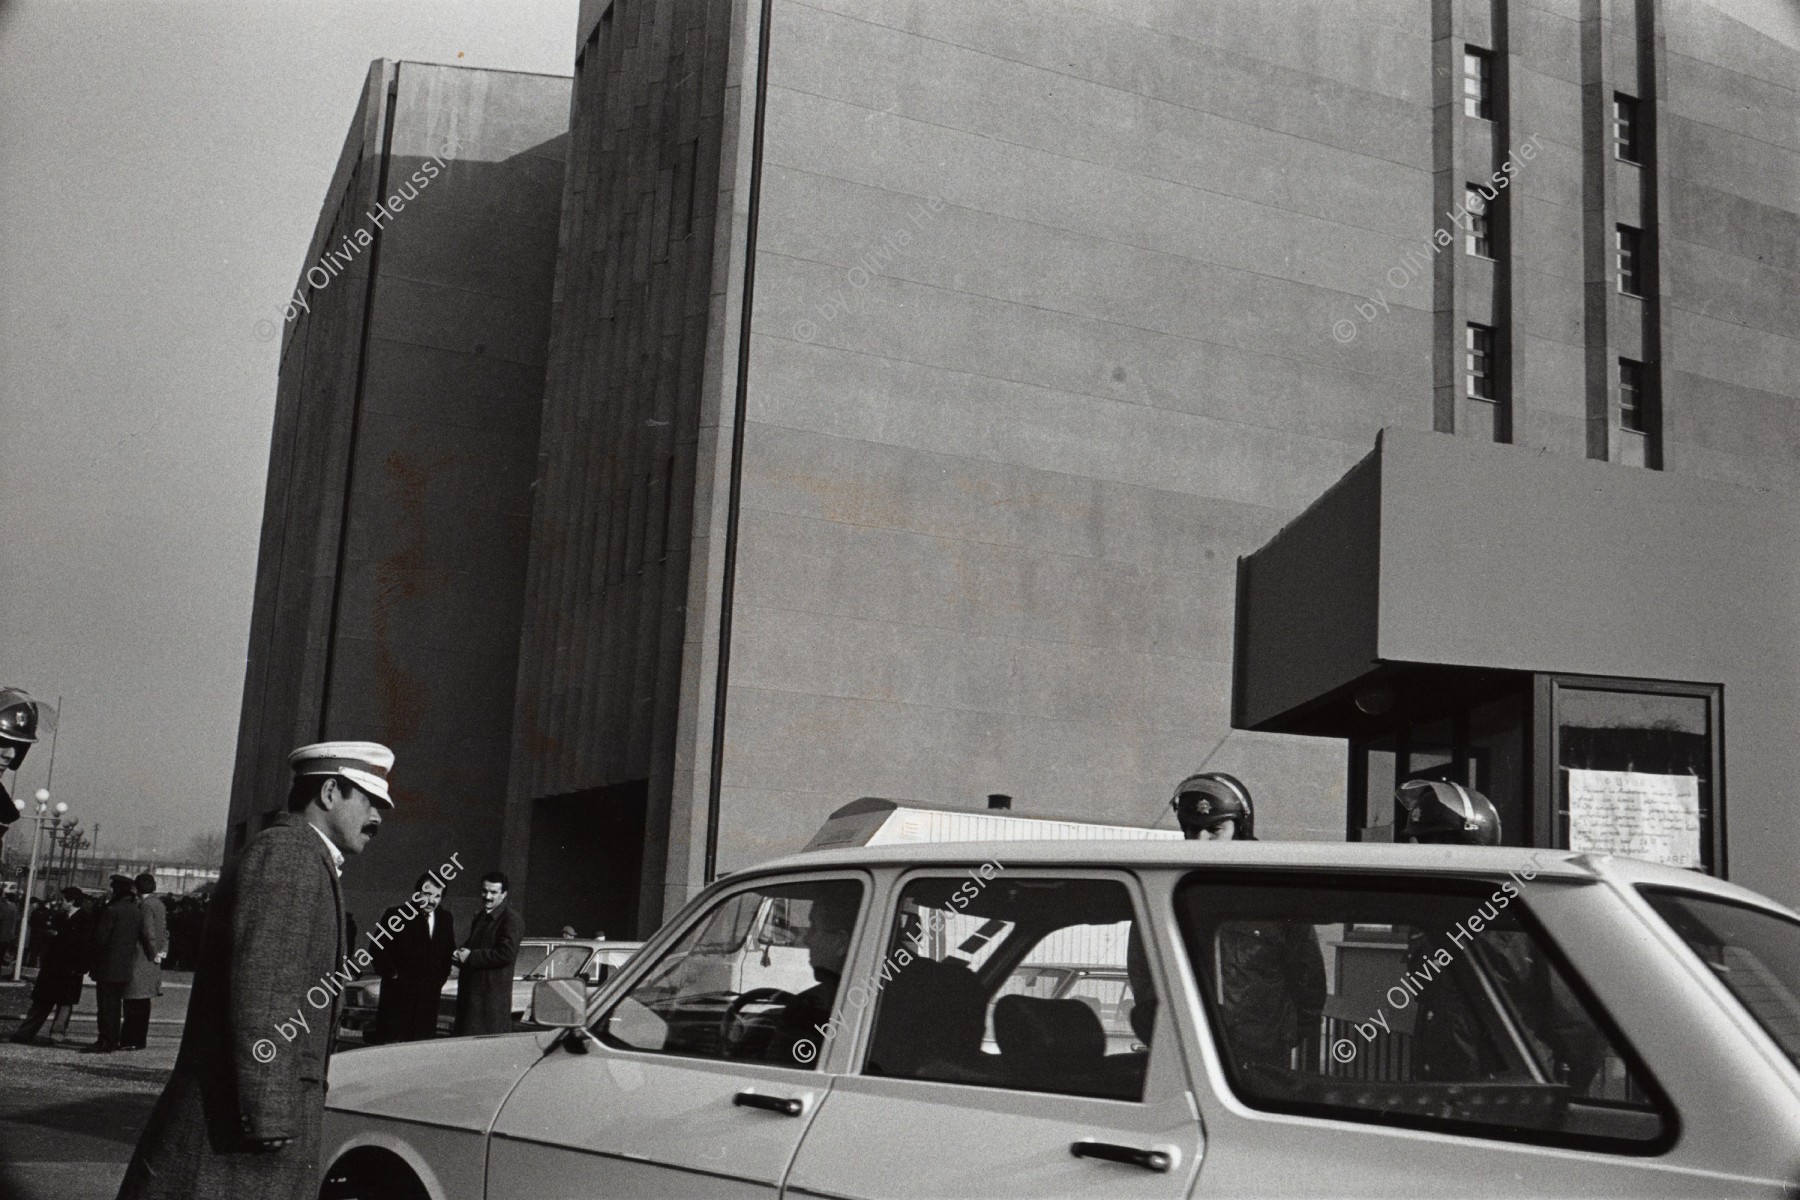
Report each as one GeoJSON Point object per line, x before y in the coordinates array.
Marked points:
{"type": "Point", "coordinates": [40, 1012]}
{"type": "Point", "coordinates": [136, 1028]}
{"type": "Point", "coordinates": [112, 1012]}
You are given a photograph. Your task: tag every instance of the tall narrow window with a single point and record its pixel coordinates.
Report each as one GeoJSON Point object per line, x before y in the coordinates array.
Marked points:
{"type": "Point", "coordinates": [1478, 83]}
{"type": "Point", "coordinates": [1625, 128]}
{"type": "Point", "coordinates": [1480, 362]}
{"type": "Point", "coordinates": [1632, 415]}
{"type": "Point", "coordinates": [1631, 260]}
{"type": "Point", "coordinates": [1478, 239]}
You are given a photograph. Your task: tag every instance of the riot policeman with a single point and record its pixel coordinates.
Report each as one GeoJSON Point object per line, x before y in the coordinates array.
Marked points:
{"type": "Point", "coordinates": [1272, 972]}
{"type": "Point", "coordinates": [1214, 806]}
{"type": "Point", "coordinates": [18, 733]}
{"type": "Point", "coordinates": [1449, 1041]}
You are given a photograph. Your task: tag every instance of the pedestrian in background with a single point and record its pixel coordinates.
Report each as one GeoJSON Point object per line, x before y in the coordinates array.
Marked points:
{"type": "Point", "coordinates": [241, 1114]}
{"type": "Point", "coordinates": [34, 927]}
{"type": "Point", "coordinates": [414, 965]}
{"type": "Point", "coordinates": [484, 988]}
{"type": "Point", "coordinates": [117, 934]}
{"type": "Point", "coordinates": [146, 968]}
{"type": "Point", "coordinates": [9, 928]}
{"type": "Point", "coordinates": [63, 961]}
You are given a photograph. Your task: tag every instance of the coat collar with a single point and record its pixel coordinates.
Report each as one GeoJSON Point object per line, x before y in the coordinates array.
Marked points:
{"type": "Point", "coordinates": [334, 858]}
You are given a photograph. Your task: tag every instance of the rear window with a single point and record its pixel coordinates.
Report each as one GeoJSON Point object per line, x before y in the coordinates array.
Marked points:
{"type": "Point", "coordinates": [1755, 954]}
{"type": "Point", "coordinates": [1433, 1003]}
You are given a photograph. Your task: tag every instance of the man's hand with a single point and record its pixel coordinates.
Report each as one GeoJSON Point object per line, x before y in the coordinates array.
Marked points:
{"type": "Point", "coordinates": [461, 955]}
{"type": "Point", "coordinates": [260, 1145]}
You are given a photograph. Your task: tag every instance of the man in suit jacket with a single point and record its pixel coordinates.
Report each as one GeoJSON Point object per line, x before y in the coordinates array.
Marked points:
{"type": "Point", "coordinates": [116, 937]}
{"type": "Point", "coordinates": [484, 989]}
{"type": "Point", "coordinates": [242, 1111]}
{"type": "Point", "coordinates": [146, 967]}
{"type": "Point", "coordinates": [414, 965]}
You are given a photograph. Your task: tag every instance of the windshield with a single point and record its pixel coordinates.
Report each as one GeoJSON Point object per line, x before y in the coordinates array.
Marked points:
{"type": "Point", "coordinates": [1755, 954]}
{"type": "Point", "coordinates": [530, 955]}
{"type": "Point", "coordinates": [562, 963]}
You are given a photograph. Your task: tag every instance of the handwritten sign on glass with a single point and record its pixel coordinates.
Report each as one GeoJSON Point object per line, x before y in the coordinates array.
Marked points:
{"type": "Point", "coordinates": [1655, 817]}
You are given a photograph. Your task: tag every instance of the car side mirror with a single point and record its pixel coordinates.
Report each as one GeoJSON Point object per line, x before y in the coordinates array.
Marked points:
{"type": "Point", "coordinates": [560, 1003]}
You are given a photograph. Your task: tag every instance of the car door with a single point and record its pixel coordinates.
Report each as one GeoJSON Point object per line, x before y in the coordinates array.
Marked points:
{"type": "Point", "coordinates": [1361, 1035]}
{"type": "Point", "coordinates": [931, 1107]}
{"type": "Point", "coordinates": [698, 1080]}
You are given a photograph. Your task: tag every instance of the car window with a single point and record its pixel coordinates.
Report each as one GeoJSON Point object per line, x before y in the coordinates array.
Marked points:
{"type": "Point", "coordinates": [973, 987]}
{"type": "Point", "coordinates": [606, 956]}
{"type": "Point", "coordinates": [560, 963]}
{"type": "Point", "coordinates": [755, 978]}
{"type": "Point", "coordinates": [1755, 954]}
{"type": "Point", "coordinates": [529, 956]}
{"type": "Point", "coordinates": [1436, 1003]}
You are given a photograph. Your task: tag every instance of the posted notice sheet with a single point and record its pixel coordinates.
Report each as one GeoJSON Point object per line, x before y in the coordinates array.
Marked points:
{"type": "Point", "coordinates": [1656, 817]}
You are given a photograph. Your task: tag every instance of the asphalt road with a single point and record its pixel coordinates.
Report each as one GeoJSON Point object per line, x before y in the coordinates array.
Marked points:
{"type": "Point", "coordinates": [69, 1121]}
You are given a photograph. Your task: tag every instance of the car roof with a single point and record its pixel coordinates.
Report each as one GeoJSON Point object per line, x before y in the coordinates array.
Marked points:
{"type": "Point", "coordinates": [589, 943]}
{"type": "Point", "coordinates": [1378, 857]}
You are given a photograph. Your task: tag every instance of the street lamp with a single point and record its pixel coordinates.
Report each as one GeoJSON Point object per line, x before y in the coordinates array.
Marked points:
{"type": "Point", "coordinates": [45, 817]}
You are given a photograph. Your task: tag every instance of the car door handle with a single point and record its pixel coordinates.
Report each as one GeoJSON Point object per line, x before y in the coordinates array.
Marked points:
{"type": "Point", "coordinates": [787, 1106]}
{"type": "Point", "coordinates": [1150, 1160]}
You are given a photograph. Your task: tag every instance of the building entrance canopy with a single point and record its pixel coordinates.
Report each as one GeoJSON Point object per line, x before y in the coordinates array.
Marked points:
{"type": "Point", "coordinates": [1562, 634]}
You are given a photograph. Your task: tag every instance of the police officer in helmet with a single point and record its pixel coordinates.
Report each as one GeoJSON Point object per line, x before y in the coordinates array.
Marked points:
{"type": "Point", "coordinates": [1214, 807]}
{"type": "Point", "coordinates": [1436, 812]}
{"type": "Point", "coordinates": [18, 732]}
{"type": "Point", "coordinates": [1272, 973]}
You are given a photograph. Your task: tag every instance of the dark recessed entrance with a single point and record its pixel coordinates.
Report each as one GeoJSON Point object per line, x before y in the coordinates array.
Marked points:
{"type": "Point", "coordinates": [587, 856]}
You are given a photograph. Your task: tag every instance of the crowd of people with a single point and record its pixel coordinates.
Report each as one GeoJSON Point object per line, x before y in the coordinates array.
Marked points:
{"type": "Point", "coordinates": [121, 942]}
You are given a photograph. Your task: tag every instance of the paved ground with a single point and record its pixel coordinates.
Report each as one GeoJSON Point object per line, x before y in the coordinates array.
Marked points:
{"type": "Point", "coordinates": [69, 1121]}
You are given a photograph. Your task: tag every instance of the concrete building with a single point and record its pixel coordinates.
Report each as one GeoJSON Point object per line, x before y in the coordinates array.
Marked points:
{"type": "Point", "coordinates": [971, 346]}
{"type": "Point", "coordinates": [919, 373]}
{"type": "Point", "coordinates": [392, 567]}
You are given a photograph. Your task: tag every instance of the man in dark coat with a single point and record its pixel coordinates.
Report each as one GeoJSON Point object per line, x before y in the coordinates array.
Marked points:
{"type": "Point", "coordinates": [241, 1114]}
{"type": "Point", "coordinates": [414, 965]}
{"type": "Point", "coordinates": [116, 937]}
{"type": "Point", "coordinates": [63, 963]}
{"type": "Point", "coordinates": [484, 989]}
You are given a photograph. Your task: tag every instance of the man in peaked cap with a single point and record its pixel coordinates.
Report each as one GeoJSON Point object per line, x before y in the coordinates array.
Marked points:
{"type": "Point", "coordinates": [241, 1114]}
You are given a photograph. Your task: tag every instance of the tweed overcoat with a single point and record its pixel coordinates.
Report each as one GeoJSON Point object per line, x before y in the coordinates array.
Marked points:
{"type": "Point", "coordinates": [484, 988]}
{"type": "Point", "coordinates": [260, 1022]}
{"type": "Point", "coordinates": [153, 939]}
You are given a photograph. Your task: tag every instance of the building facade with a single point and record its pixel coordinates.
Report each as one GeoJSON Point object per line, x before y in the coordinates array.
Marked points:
{"type": "Point", "coordinates": [1023, 326]}
{"type": "Point", "coordinates": [392, 566]}
{"type": "Point", "coordinates": [919, 373]}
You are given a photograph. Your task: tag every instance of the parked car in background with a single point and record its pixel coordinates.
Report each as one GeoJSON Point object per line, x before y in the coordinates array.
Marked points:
{"type": "Point", "coordinates": [1309, 1020]}
{"type": "Point", "coordinates": [538, 959]}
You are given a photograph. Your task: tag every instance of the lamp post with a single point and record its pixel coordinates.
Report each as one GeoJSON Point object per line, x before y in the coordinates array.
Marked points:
{"type": "Point", "coordinates": [45, 816]}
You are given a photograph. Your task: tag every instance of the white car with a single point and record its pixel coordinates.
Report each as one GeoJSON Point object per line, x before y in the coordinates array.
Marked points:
{"type": "Point", "coordinates": [1310, 1020]}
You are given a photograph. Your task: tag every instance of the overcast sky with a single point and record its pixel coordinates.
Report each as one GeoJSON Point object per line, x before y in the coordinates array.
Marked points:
{"type": "Point", "coordinates": [161, 169]}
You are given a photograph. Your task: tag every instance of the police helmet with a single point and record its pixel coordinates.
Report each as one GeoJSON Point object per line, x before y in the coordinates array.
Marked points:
{"type": "Point", "coordinates": [1446, 813]}
{"type": "Point", "coordinates": [18, 717]}
{"type": "Point", "coordinates": [1209, 799]}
